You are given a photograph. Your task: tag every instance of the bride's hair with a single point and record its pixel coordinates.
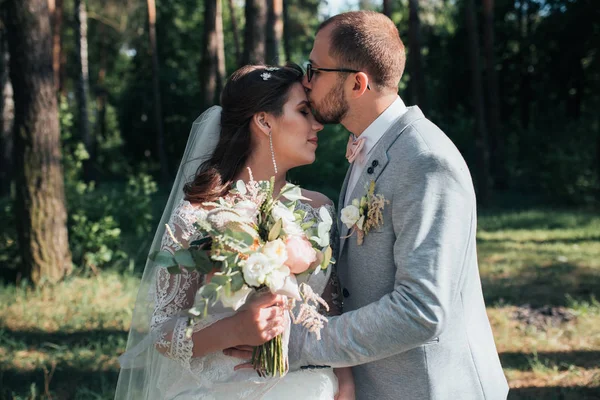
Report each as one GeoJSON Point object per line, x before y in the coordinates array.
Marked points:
{"type": "Point", "coordinates": [249, 90]}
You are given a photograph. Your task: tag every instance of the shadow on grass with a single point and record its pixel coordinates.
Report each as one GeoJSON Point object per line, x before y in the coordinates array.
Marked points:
{"type": "Point", "coordinates": [543, 285]}
{"type": "Point", "coordinates": [562, 360]}
{"type": "Point", "coordinates": [88, 380]}
{"type": "Point", "coordinates": [65, 384]}
{"type": "Point", "coordinates": [555, 393]}
{"type": "Point", "coordinates": [575, 240]}
{"type": "Point", "coordinates": [37, 338]}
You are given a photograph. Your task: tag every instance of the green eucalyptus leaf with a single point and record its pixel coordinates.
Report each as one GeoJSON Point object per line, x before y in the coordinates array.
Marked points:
{"type": "Point", "coordinates": [208, 290]}
{"type": "Point", "coordinates": [237, 281]}
{"type": "Point", "coordinates": [174, 270]}
{"type": "Point", "coordinates": [164, 259]}
{"type": "Point", "coordinates": [220, 280]}
{"type": "Point", "coordinates": [184, 258]}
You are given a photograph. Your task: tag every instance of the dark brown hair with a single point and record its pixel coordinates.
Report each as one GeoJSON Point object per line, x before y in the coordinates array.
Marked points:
{"type": "Point", "coordinates": [368, 41]}
{"type": "Point", "coordinates": [248, 91]}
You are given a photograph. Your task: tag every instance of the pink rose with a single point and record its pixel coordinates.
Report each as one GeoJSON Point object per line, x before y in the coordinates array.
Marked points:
{"type": "Point", "coordinates": [300, 254]}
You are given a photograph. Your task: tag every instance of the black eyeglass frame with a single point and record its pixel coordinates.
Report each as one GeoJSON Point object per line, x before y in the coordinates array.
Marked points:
{"type": "Point", "coordinates": [310, 73]}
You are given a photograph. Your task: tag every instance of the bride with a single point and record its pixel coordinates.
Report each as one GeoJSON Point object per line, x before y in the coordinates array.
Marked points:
{"type": "Point", "coordinates": [265, 125]}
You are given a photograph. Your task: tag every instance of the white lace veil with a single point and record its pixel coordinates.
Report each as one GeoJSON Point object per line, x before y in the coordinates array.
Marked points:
{"type": "Point", "coordinates": [141, 363]}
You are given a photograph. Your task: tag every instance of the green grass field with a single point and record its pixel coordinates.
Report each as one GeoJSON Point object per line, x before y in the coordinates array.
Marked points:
{"type": "Point", "coordinates": [541, 276]}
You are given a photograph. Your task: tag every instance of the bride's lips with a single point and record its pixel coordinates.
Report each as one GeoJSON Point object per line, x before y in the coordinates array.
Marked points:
{"type": "Point", "coordinates": [314, 140]}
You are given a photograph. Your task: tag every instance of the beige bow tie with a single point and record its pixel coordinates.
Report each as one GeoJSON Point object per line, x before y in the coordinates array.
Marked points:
{"type": "Point", "coordinates": [354, 148]}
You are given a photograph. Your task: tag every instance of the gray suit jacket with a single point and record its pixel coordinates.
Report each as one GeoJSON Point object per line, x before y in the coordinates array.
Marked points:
{"type": "Point", "coordinates": [414, 323]}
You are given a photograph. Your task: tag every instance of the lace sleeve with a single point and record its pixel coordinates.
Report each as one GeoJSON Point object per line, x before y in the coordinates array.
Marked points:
{"type": "Point", "coordinates": [332, 293]}
{"type": "Point", "coordinates": [174, 293]}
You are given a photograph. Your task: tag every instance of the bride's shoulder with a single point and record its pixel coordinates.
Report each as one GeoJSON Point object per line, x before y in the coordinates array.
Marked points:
{"type": "Point", "coordinates": [317, 199]}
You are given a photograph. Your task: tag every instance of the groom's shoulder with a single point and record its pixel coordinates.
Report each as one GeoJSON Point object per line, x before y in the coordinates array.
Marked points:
{"type": "Point", "coordinates": [424, 137]}
{"type": "Point", "coordinates": [316, 199]}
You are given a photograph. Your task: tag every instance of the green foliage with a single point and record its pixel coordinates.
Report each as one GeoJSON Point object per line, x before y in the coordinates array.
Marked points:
{"type": "Point", "coordinates": [99, 216]}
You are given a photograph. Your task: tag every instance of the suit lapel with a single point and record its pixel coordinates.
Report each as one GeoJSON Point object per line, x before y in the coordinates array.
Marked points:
{"type": "Point", "coordinates": [342, 198]}
{"type": "Point", "coordinates": [378, 160]}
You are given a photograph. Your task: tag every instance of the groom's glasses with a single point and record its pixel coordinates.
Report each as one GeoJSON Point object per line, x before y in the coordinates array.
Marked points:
{"type": "Point", "coordinates": [310, 71]}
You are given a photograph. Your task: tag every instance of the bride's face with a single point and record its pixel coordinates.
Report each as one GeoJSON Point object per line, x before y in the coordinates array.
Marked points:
{"type": "Point", "coordinates": [295, 131]}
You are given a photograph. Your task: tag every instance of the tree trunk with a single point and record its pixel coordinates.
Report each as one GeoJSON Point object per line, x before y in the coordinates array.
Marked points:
{"type": "Point", "coordinates": [56, 15]}
{"type": "Point", "coordinates": [497, 147]}
{"type": "Point", "coordinates": [7, 114]}
{"type": "Point", "coordinates": [483, 178]}
{"type": "Point", "coordinates": [236, 34]}
{"type": "Point", "coordinates": [83, 87]}
{"type": "Point", "coordinates": [254, 32]}
{"type": "Point", "coordinates": [101, 92]}
{"type": "Point", "coordinates": [417, 79]}
{"type": "Point", "coordinates": [274, 30]}
{"type": "Point", "coordinates": [41, 216]}
{"type": "Point", "coordinates": [158, 120]}
{"type": "Point", "coordinates": [212, 70]}
{"type": "Point", "coordinates": [525, 50]}
{"type": "Point", "coordinates": [387, 8]}
{"type": "Point", "coordinates": [287, 40]}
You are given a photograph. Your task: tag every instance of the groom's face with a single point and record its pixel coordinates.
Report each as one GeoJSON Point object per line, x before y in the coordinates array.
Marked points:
{"type": "Point", "coordinates": [325, 90]}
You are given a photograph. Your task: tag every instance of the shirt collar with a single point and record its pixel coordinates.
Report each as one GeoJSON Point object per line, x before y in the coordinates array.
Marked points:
{"type": "Point", "coordinates": [375, 131]}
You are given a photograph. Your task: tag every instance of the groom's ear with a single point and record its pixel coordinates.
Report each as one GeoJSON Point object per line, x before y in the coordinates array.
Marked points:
{"type": "Point", "coordinates": [361, 83]}
{"type": "Point", "coordinates": [261, 120]}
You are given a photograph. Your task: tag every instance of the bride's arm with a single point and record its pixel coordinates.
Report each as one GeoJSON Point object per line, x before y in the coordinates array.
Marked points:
{"type": "Point", "coordinates": [174, 294]}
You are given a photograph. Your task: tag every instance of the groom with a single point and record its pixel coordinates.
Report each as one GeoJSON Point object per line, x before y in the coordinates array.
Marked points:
{"type": "Point", "coordinates": [414, 323]}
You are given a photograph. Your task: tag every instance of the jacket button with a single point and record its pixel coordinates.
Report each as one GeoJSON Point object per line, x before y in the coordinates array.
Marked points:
{"type": "Point", "coordinates": [375, 163]}
{"type": "Point", "coordinates": [370, 170]}
{"type": "Point", "coordinates": [346, 293]}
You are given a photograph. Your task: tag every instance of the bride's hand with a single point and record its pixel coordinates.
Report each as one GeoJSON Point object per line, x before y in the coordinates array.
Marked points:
{"type": "Point", "coordinates": [345, 384]}
{"type": "Point", "coordinates": [260, 320]}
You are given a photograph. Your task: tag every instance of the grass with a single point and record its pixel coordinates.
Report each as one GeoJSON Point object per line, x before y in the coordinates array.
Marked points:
{"type": "Point", "coordinates": [63, 342]}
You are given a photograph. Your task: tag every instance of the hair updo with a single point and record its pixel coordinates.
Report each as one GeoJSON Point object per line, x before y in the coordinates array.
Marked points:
{"type": "Point", "coordinates": [248, 91]}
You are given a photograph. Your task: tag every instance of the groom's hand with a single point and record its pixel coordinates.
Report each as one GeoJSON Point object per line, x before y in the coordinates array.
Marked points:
{"type": "Point", "coordinates": [243, 352]}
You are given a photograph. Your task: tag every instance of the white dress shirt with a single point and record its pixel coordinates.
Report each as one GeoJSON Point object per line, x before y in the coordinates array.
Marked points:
{"type": "Point", "coordinates": [371, 135]}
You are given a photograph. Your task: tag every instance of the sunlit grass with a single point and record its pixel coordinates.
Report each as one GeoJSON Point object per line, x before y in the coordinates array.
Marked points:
{"type": "Point", "coordinates": [64, 341]}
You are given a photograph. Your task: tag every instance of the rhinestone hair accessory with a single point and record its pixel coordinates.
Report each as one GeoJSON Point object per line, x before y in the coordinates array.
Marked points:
{"type": "Point", "coordinates": [265, 76]}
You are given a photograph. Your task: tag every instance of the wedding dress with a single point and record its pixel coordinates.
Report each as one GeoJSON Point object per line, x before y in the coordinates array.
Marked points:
{"type": "Point", "coordinates": [159, 321]}
{"type": "Point", "coordinates": [212, 377]}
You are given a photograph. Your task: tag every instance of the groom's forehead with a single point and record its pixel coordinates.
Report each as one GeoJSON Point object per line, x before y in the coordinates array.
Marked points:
{"type": "Point", "coordinates": [320, 54]}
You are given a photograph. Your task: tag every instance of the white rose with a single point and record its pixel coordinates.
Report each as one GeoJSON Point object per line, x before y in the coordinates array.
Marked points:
{"type": "Point", "coordinates": [256, 268]}
{"type": "Point", "coordinates": [292, 229]}
{"type": "Point", "coordinates": [350, 215]}
{"type": "Point", "coordinates": [236, 299]}
{"type": "Point", "coordinates": [276, 279]}
{"type": "Point", "coordinates": [247, 209]}
{"type": "Point", "coordinates": [276, 251]}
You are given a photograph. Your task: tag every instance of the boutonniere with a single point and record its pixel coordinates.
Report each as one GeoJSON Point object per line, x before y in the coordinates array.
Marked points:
{"type": "Point", "coordinates": [364, 214]}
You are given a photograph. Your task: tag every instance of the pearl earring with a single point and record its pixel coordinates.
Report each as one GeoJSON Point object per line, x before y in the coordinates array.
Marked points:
{"type": "Point", "coordinates": [272, 152]}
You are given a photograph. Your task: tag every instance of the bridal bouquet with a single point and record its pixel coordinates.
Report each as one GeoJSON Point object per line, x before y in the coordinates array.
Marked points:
{"type": "Point", "coordinates": [253, 241]}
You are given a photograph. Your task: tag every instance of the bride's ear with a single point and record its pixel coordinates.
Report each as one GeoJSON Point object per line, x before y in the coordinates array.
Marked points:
{"type": "Point", "coordinates": [262, 121]}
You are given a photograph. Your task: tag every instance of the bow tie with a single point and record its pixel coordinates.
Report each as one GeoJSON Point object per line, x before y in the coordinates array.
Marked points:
{"type": "Point", "coordinates": [354, 148]}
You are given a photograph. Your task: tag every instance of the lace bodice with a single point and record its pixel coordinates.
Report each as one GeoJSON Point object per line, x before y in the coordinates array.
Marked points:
{"type": "Point", "coordinates": [174, 294]}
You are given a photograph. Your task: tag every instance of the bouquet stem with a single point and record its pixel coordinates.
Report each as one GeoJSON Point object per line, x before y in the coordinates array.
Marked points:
{"type": "Point", "coordinates": [268, 359]}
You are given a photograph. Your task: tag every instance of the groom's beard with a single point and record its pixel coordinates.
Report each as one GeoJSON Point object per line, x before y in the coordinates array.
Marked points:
{"type": "Point", "coordinates": [333, 108]}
